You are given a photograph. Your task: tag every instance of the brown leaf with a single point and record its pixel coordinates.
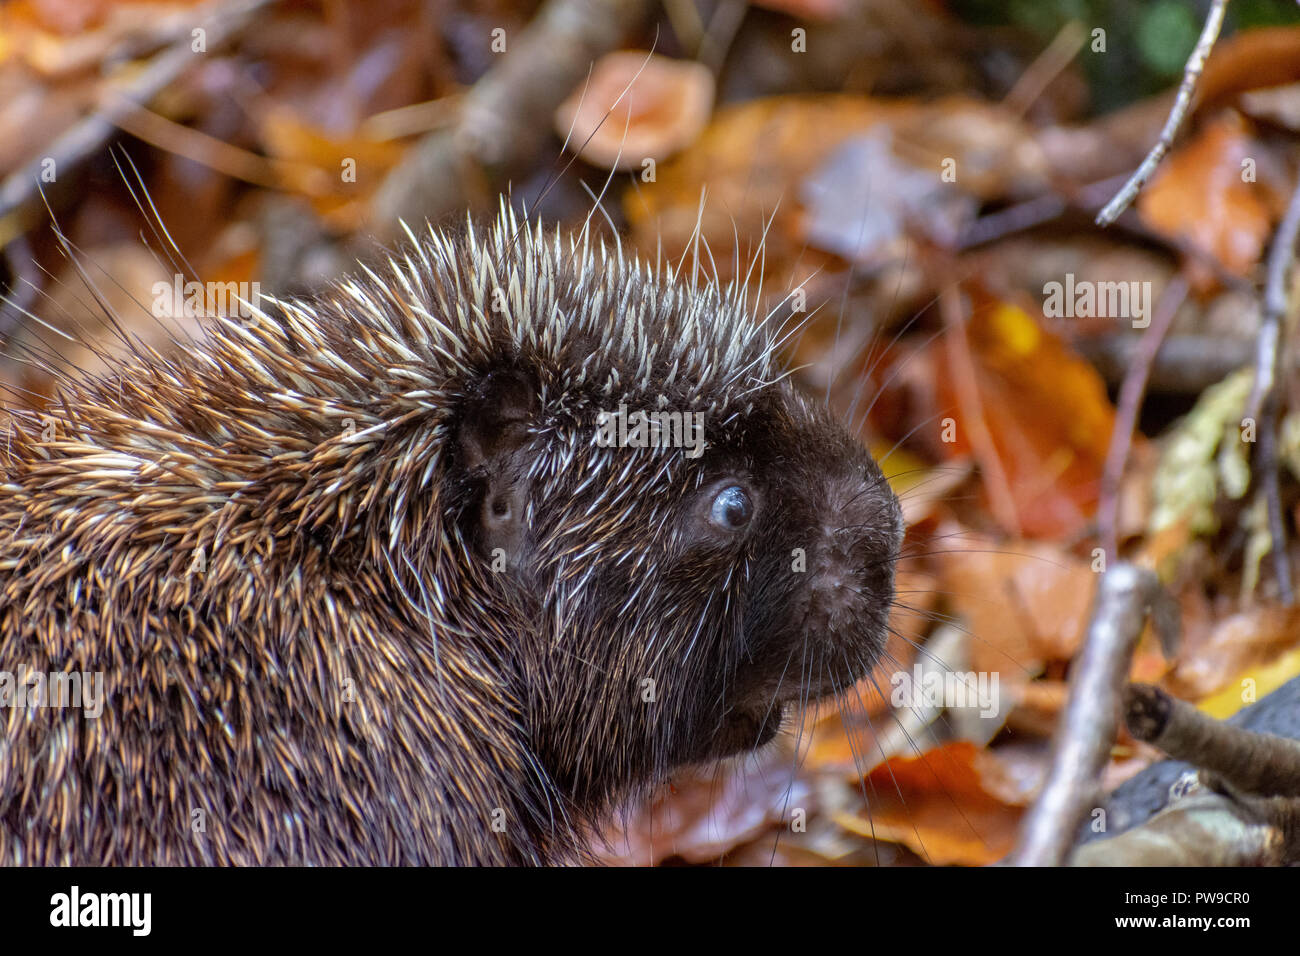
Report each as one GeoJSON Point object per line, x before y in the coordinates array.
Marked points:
{"type": "Point", "coordinates": [1198, 195]}
{"type": "Point", "coordinates": [1045, 409]}
{"type": "Point", "coordinates": [636, 106]}
{"type": "Point", "coordinates": [1024, 603]}
{"type": "Point", "coordinates": [1251, 60]}
{"type": "Point", "coordinates": [1234, 644]}
{"type": "Point", "coordinates": [702, 815]}
{"type": "Point", "coordinates": [944, 805]}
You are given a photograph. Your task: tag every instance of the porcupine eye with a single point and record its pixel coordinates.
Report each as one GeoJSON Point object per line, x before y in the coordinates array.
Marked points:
{"type": "Point", "coordinates": [731, 508]}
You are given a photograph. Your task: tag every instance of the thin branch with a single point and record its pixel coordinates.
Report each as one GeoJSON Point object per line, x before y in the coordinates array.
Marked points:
{"type": "Point", "coordinates": [506, 114]}
{"type": "Point", "coordinates": [20, 190]}
{"type": "Point", "coordinates": [1186, 90]}
{"type": "Point", "coordinates": [1125, 595]}
{"type": "Point", "coordinates": [1265, 400]}
{"type": "Point", "coordinates": [1130, 402]}
{"type": "Point", "coordinates": [1046, 67]}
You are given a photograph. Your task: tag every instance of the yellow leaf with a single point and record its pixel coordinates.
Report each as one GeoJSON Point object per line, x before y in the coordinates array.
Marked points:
{"type": "Point", "coordinates": [1267, 678]}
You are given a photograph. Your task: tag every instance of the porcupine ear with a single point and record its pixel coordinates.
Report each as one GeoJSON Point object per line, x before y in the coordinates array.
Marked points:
{"type": "Point", "coordinates": [494, 428]}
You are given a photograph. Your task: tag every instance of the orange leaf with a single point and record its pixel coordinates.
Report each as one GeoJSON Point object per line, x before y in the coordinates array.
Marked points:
{"type": "Point", "coordinates": [942, 805]}
{"type": "Point", "coordinates": [1198, 195]}
{"type": "Point", "coordinates": [1046, 411]}
{"type": "Point", "coordinates": [636, 106]}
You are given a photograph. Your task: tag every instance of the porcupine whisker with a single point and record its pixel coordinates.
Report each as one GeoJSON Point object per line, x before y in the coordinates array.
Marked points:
{"type": "Point", "coordinates": [43, 360]}
{"type": "Point", "coordinates": [53, 361]}
{"type": "Point", "coordinates": [925, 422]}
{"type": "Point", "coordinates": [18, 307]}
{"type": "Point", "coordinates": [768, 384]}
{"type": "Point", "coordinates": [155, 220]}
{"type": "Point", "coordinates": [955, 623]}
{"type": "Point", "coordinates": [554, 179]}
{"type": "Point", "coordinates": [759, 258]}
{"type": "Point", "coordinates": [844, 298]}
{"type": "Point", "coordinates": [429, 617]}
{"type": "Point", "coordinates": [855, 423]}
{"type": "Point", "coordinates": [925, 614]}
{"type": "Point", "coordinates": [933, 474]}
{"type": "Point", "coordinates": [873, 343]}
{"type": "Point", "coordinates": [604, 214]}
{"type": "Point", "coordinates": [777, 345]}
{"type": "Point", "coordinates": [915, 711]}
{"type": "Point", "coordinates": [855, 713]}
{"type": "Point", "coordinates": [800, 750]}
{"type": "Point", "coordinates": [911, 552]}
{"type": "Point", "coordinates": [695, 232]}
{"type": "Point", "coordinates": [923, 756]}
{"type": "Point", "coordinates": [777, 692]}
{"type": "Point", "coordinates": [919, 647]}
{"type": "Point", "coordinates": [586, 223]}
{"type": "Point", "coordinates": [884, 761]}
{"type": "Point", "coordinates": [127, 339]}
{"type": "Point", "coordinates": [75, 255]}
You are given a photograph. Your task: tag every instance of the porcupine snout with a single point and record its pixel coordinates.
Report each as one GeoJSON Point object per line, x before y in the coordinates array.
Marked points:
{"type": "Point", "coordinates": [820, 612]}
{"type": "Point", "coordinates": [851, 573]}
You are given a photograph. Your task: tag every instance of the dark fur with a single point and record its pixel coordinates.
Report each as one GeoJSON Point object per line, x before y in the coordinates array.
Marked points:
{"type": "Point", "coordinates": [347, 469]}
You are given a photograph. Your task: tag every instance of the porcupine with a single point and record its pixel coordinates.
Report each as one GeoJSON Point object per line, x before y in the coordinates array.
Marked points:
{"type": "Point", "coordinates": [366, 587]}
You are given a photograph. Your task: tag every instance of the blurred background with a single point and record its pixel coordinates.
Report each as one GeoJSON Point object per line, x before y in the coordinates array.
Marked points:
{"type": "Point", "coordinates": [915, 176]}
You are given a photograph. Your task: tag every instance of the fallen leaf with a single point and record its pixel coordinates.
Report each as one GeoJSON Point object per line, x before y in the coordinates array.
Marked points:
{"type": "Point", "coordinates": [1236, 645]}
{"type": "Point", "coordinates": [942, 805]}
{"type": "Point", "coordinates": [1046, 412]}
{"type": "Point", "coordinates": [1198, 194]}
{"type": "Point", "coordinates": [1250, 60]}
{"type": "Point", "coordinates": [1023, 603]}
{"type": "Point", "coordinates": [636, 106]}
{"type": "Point", "coordinates": [703, 814]}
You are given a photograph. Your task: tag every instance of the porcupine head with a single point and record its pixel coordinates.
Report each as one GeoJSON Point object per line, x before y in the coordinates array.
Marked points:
{"type": "Point", "coordinates": [684, 588]}
{"type": "Point", "coordinates": [495, 534]}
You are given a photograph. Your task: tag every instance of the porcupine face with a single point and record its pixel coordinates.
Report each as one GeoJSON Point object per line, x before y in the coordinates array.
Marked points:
{"type": "Point", "coordinates": [684, 599]}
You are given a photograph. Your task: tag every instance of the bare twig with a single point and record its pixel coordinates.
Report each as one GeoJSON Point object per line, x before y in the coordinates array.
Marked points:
{"type": "Point", "coordinates": [199, 147]}
{"type": "Point", "coordinates": [1265, 398]}
{"type": "Point", "coordinates": [1130, 402]}
{"type": "Point", "coordinates": [1046, 67]}
{"type": "Point", "coordinates": [19, 192]}
{"type": "Point", "coordinates": [1125, 595]}
{"type": "Point", "coordinates": [1186, 90]}
{"type": "Point", "coordinates": [506, 114]}
{"type": "Point", "coordinates": [721, 31]}
{"type": "Point", "coordinates": [1042, 209]}
{"type": "Point", "coordinates": [1187, 364]}
{"type": "Point", "coordinates": [1244, 809]}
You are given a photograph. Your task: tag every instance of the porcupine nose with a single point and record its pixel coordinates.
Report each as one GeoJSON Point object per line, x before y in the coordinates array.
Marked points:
{"type": "Point", "coordinates": [851, 584]}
